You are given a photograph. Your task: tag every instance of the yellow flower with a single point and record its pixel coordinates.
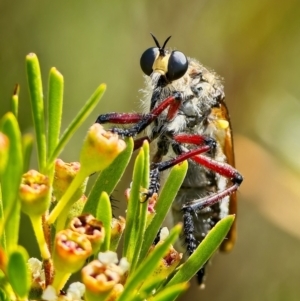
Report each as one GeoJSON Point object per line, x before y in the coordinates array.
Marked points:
{"type": "Point", "coordinates": [100, 149]}
{"type": "Point", "coordinates": [34, 190]}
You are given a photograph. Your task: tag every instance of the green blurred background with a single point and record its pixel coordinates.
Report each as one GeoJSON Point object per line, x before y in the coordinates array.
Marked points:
{"type": "Point", "coordinates": [254, 45]}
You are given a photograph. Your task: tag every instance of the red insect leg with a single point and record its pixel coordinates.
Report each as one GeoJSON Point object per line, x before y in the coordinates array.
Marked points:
{"type": "Point", "coordinates": [141, 120]}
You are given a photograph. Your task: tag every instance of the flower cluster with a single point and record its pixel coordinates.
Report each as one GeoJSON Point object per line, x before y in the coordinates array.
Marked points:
{"type": "Point", "coordinates": [104, 276]}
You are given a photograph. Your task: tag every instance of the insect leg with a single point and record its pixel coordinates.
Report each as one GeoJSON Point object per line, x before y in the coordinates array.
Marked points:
{"type": "Point", "coordinates": [222, 169]}
{"type": "Point", "coordinates": [141, 120]}
{"type": "Point", "coordinates": [157, 168]}
{"type": "Point", "coordinates": [197, 205]}
{"type": "Point", "coordinates": [191, 242]}
{"type": "Point", "coordinates": [119, 118]}
{"type": "Point", "coordinates": [209, 144]}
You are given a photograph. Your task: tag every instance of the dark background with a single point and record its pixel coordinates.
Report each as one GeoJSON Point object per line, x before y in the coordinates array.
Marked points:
{"type": "Point", "coordinates": [254, 45]}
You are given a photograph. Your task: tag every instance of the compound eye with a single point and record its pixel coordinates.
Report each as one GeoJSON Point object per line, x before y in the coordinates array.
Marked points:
{"type": "Point", "coordinates": [147, 60]}
{"type": "Point", "coordinates": [177, 65]}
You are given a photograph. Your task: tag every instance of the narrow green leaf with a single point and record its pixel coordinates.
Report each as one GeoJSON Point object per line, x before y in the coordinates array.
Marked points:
{"type": "Point", "coordinates": [15, 101]}
{"type": "Point", "coordinates": [171, 293]}
{"type": "Point", "coordinates": [131, 230]}
{"type": "Point", "coordinates": [55, 102]}
{"type": "Point", "coordinates": [104, 214]}
{"type": "Point", "coordinates": [109, 178]}
{"type": "Point", "coordinates": [141, 219]}
{"type": "Point", "coordinates": [17, 272]}
{"type": "Point", "coordinates": [148, 287]}
{"type": "Point", "coordinates": [27, 144]}
{"type": "Point", "coordinates": [11, 179]}
{"type": "Point", "coordinates": [146, 173]}
{"type": "Point", "coordinates": [204, 251]}
{"type": "Point", "coordinates": [37, 106]}
{"type": "Point", "coordinates": [148, 266]}
{"type": "Point", "coordinates": [165, 199]}
{"type": "Point", "coordinates": [77, 121]}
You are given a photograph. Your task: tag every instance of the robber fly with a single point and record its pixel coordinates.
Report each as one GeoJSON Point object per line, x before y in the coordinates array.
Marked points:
{"type": "Point", "coordinates": [186, 118]}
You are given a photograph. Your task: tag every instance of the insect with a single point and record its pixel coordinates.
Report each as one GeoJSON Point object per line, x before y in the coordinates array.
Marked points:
{"type": "Point", "coordinates": [186, 118]}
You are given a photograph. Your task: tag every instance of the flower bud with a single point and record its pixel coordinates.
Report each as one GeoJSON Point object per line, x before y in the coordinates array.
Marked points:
{"type": "Point", "coordinates": [63, 176]}
{"type": "Point", "coordinates": [170, 261]}
{"type": "Point", "coordinates": [89, 226]}
{"type": "Point", "coordinates": [117, 229]}
{"type": "Point", "coordinates": [71, 249]}
{"type": "Point", "coordinates": [102, 277]}
{"type": "Point", "coordinates": [151, 208]}
{"type": "Point", "coordinates": [34, 193]}
{"type": "Point", "coordinates": [100, 149]}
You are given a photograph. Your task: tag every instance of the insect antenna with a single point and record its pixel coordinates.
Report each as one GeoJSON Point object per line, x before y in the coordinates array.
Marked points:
{"type": "Point", "coordinates": [166, 41]}
{"type": "Point", "coordinates": [161, 49]}
{"type": "Point", "coordinates": [155, 40]}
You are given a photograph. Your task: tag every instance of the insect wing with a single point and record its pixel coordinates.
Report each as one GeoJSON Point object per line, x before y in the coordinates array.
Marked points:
{"type": "Point", "coordinates": [222, 117]}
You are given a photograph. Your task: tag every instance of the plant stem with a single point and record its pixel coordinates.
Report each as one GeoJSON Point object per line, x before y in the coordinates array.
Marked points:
{"type": "Point", "coordinates": [39, 233]}
{"type": "Point", "coordinates": [60, 280]}
{"type": "Point", "coordinates": [63, 202]}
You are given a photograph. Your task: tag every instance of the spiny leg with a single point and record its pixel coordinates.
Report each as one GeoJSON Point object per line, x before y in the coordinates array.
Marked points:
{"type": "Point", "coordinates": [141, 121]}
{"type": "Point", "coordinates": [157, 168]}
{"type": "Point", "coordinates": [190, 239]}
{"type": "Point", "coordinates": [220, 168]}
{"type": "Point", "coordinates": [224, 169]}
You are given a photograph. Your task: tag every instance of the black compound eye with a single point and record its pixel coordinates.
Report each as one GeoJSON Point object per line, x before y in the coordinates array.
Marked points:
{"type": "Point", "coordinates": [147, 60]}
{"type": "Point", "coordinates": [177, 65]}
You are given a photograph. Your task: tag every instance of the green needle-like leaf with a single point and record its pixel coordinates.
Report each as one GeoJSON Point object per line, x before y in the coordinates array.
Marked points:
{"type": "Point", "coordinates": [55, 101]}
{"type": "Point", "coordinates": [37, 106]}
{"type": "Point", "coordinates": [27, 140]}
{"type": "Point", "coordinates": [146, 173]}
{"type": "Point", "coordinates": [165, 199]}
{"type": "Point", "coordinates": [171, 293]}
{"type": "Point", "coordinates": [141, 219]}
{"type": "Point", "coordinates": [130, 235]}
{"type": "Point", "coordinates": [104, 214]}
{"type": "Point", "coordinates": [11, 179]}
{"type": "Point", "coordinates": [17, 272]}
{"type": "Point", "coordinates": [15, 101]}
{"type": "Point", "coordinates": [77, 121]}
{"type": "Point", "coordinates": [150, 285]}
